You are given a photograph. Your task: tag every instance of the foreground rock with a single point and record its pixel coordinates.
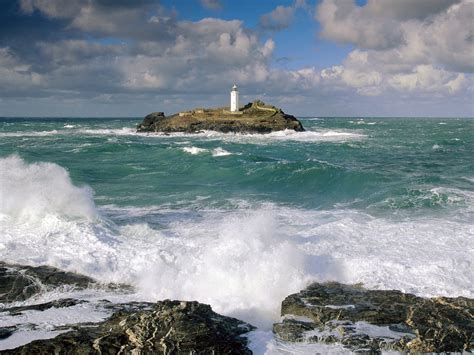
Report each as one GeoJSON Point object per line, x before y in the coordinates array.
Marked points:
{"type": "Point", "coordinates": [165, 327]}
{"type": "Point", "coordinates": [169, 327]}
{"type": "Point", "coordinates": [255, 117]}
{"type": "Point", "coordinates": [369, 320]}
{"type": "Point", "coordinates": [20, 282]}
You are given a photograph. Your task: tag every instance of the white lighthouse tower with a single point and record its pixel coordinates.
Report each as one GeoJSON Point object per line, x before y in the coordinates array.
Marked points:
{"type": "Point", "coordinates": [234, 99]}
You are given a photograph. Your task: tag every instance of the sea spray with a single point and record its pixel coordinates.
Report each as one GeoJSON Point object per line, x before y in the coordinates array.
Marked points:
{"type": "Point", "coordinates": [33, 191]}
{"type": "Point", "coordinates": [243, 266]}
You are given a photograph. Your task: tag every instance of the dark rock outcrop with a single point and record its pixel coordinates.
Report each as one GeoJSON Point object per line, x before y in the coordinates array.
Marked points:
{"type": "Point", "coordinates": [374, 320]}
{"type": "Point", "coordinates": [255, 117]}
{"type": "Point", "coordinates": [20, 282]}
{"type": "Point", "coordinates": [167, 327]}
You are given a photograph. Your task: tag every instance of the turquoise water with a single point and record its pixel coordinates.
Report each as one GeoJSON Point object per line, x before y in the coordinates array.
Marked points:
{"type": "Point", "coordinates": [242, 221]}
{"type": "Point", "coordinates": [391, 165]}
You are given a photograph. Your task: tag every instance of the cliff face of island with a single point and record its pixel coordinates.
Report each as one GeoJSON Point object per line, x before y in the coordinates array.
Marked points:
{"type": "Point", "coordinates": [255, 117]}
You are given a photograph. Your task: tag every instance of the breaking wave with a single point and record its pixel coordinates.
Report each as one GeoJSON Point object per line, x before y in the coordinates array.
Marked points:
{"type": "Point", "coordinates": [242, 261]}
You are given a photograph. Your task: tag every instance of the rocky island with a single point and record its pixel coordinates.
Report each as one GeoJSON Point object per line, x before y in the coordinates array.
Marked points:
{"type": "Point", "coordinates": [255, 117]}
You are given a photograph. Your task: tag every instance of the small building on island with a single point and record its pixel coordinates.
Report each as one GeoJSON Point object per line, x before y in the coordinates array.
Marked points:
{"type": "Point", "coordinates": [234, 99]}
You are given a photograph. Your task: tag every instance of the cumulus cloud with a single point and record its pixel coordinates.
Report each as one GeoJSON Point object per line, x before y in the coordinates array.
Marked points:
{"type": "Point", "coordinates": [427, 78]}
{"type": "Point", "coordinates": [281, 17]}
{"type": "Point", "coordinates": [346, 22]}
{"type": "Point", "coordinates": [403, 46]}
{"type": "Point", "coordinates": [110, 49]}
{"type": "Point", "coordinates": [278, 19]}
{"type": "Point", "coordinates": [432, 32]}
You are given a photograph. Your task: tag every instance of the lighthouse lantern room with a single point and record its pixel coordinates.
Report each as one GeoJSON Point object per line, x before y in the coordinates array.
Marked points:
{"type": "Point", "coordinates": [234, 99]}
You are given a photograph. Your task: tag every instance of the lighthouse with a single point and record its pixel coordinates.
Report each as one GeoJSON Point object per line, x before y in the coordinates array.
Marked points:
{"type": "Point", "coordinates": [234, 99]}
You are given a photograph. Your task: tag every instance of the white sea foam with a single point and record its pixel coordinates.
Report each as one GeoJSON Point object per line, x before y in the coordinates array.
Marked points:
{"type": "Point", "coordinates": [243, 261]}
{"type": "Point", "coordinates": [216, 152]}
{"type": "Point", "coordinates": [285, 135]}
{"type": "Point", "coordinates": [314, 136]}
{"type": "Point", "coordinates": [32, 325]}
{"type": "Point", "coordinates": [30, 133]}
{"type": "Point", "coordinates": [26, 335]}
{"type": "Point", "coordinates": [263, 342]}
{"type": "Point", "coordinates": [219, 152]}
{"type": "Point", "coordinates": [124, 131]}
{"type": "Point", "coordinates": [73, 130]}
{"type": "Point", "coordinates": [194, 150]}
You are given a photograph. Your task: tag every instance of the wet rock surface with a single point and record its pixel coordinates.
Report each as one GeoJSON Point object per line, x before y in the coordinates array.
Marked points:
{"type": "Point", "coordinates": [167, 327]}
{"type": "Point", "coordinates": [374, 320]}
{"type": "Point", "coordinates": [255, 117]}
{"type": "Point", "coordinates": [20, 282]}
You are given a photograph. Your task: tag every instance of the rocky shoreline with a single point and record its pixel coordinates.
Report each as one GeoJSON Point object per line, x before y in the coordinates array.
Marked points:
{"type": "Point", "coordinates": [329, 313]}
{"type": "Point", "coordinates": [376, 320]}
{"type": "Point", "coordinates": [255, 117]}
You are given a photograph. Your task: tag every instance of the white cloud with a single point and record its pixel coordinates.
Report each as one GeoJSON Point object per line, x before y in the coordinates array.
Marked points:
{"type": "Point", "coordinates": [402, 47]}
{"type": "Point", "coordinates": [344, 21]}
{"type": "Point", "coordinates": [282, 17]}
{"type": "Point", "coordinates": [278, 19]}
{"type": "Point", "coordinates": [404, 33]}
{"type": "Point", "coordinates": [427, 78]}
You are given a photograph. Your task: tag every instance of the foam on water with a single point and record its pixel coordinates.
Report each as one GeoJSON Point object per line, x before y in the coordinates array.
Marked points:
{"type": "Point", "coordinates": [30, 133]}
{"type": "Point", "coordinates": [289, 135]}
{"type": "Point", "coordinates": [124, 131]}
{"type": "Point", "coordinates": [219, 152]}
{"type": "Point", "coordinates": [242, 261]}
{"type": "Point", "coordinates": [194, 150]}
{"type": "Point", "coordinates": [285, 135]}
{"type": "Point", "coordinates": [216, 152]}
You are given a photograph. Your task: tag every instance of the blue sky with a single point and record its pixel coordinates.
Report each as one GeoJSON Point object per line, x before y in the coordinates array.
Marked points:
{"type": "Point", "coordinates": [327, 57]}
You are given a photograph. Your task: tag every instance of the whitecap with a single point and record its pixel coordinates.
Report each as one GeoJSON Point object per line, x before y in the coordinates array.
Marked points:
{"type": "Point", "coordinates": [124, 131]}
{"type": "Point", "coordinates": [194, 150]}
{"type": "Point", "coordinates": [219, 152]}
{"type": "Point", "coordinates": [284, 135]}
{"type": "Point", "coordinates": [29, 133]}
{"type": "Point", "coordinates": [256, 254]}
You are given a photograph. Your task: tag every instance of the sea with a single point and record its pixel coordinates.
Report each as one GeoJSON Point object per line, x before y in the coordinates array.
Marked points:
{"type": "Point", "coordinates": [237, 221]}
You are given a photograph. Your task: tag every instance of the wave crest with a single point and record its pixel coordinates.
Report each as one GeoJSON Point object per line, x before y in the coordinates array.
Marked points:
{"type": "Point", "coordinates": [33, 191]}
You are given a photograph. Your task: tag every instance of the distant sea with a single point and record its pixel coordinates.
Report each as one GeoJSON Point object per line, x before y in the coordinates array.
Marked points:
{"type": "Point", "coordinates": [240, 221]}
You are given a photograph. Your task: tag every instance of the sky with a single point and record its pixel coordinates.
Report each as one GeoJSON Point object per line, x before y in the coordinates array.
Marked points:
{"type": "Point", "coordinates": [126, 58]}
